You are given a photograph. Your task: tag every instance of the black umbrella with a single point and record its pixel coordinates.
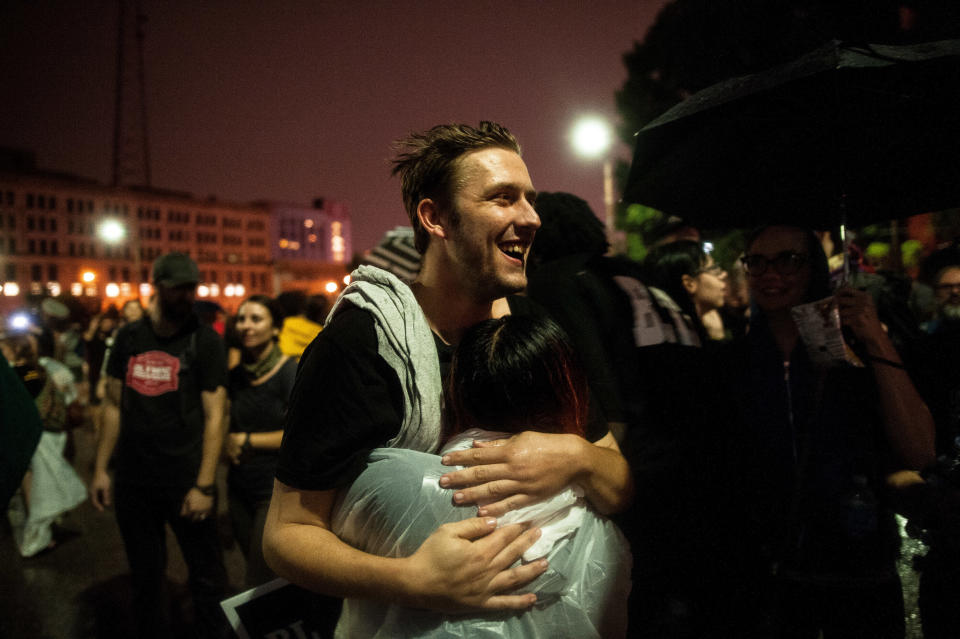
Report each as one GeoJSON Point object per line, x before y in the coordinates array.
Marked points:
{"type": "Point", "coordinates": [871, 131]}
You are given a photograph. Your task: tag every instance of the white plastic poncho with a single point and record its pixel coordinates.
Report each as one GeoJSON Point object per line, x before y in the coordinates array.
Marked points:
{"type": "Point", "coordinates": [56, 489]}
{"type": "Point", "coordinates": [55, 486]}
{"type": "Point", "coordinates": [397, 502]}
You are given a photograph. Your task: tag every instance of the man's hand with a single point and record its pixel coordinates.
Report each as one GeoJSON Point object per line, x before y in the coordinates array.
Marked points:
{"type": "Point", "coordinates": [196, 505]}
{"type": "Point", "coordinates": [507, 474]}
{"type": "Point", "coordinates": [464, 566]}
{"type": "Point", "coordinates": [100, 493]}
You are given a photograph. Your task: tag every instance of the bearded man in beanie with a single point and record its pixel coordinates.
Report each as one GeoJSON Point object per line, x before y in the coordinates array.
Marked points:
{"type": "Point", "coordinates": [165, 398]}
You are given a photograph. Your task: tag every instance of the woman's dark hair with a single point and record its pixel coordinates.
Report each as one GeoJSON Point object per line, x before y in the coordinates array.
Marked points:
{"type": "Point", "coordinates": [665, 267]}
{"type": "Point", "coordinates": [568, 226]}
{"type": "Point", "coordinates": [517, 373]}
{"type": "Point", "coordinates": [276, 316]}
{"type": "Point", "coordinates": [819, 268]}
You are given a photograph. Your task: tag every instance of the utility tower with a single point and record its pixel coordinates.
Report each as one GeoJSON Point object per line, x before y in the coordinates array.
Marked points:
{"type": "Point", "coordinates": [131, 151]}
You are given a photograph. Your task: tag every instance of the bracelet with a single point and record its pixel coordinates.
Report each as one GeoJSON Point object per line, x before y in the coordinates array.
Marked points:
{"type": "Point", "coordinates": [246, 443]}
{"type": "Point", "coordinates": [888, 362]}
{"type": "Point", "coordinates": [209, 491]}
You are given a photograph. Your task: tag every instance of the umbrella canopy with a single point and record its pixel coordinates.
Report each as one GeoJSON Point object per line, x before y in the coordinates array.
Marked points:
{"type": "Point", "coordinates": [869, 132]}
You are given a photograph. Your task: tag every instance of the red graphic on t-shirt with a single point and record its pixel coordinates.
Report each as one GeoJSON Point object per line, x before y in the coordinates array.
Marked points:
{"type": "Point", "coordinates": [153, 373]}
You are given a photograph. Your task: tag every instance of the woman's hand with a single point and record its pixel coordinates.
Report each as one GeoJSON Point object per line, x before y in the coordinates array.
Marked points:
{"type": "Point", "coordinates": [233, 446]}
{"type": "Point", "coordinates": [858, 312]}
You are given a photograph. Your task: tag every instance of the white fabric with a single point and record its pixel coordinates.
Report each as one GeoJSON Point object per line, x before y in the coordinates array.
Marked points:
{"type": "Point", "coordinates": [396, 503]}
{"type": "Point", "coordinates": [405, 342]}
{"type": "Point", "coordinates": [55, 489]}
{"type": "Point", "coordinates": [61, 377]}
{"type": "Point", "coordinates": [557, 517]}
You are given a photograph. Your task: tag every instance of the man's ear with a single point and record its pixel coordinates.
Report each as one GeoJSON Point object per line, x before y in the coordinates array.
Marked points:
{"type": "Point", "coordinates": [689, 283]}
{"type": "Point", "coordinates": [431, 218]}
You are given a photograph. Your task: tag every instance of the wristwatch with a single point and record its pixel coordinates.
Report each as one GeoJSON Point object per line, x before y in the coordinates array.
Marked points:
{"type": "Point", "coordinates": [209, 491]}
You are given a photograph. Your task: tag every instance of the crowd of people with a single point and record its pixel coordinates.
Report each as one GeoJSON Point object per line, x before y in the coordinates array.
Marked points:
{"type": "Point", "coordinates": [532, 438]}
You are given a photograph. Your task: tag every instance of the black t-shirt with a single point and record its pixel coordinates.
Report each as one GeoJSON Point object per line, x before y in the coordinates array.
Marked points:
{"type": "Point", "coordinates": [258, 409]}
{"type": "Point", "coordinates": [162, 419]}
{"type": "Point", "coordinates": [347, 401]}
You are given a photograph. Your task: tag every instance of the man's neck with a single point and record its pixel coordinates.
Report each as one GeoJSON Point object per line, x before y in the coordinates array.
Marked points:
{"type": "Point", "coordinates": [449, 308]}
{"type": "Point", "coordinates": [163, 326]}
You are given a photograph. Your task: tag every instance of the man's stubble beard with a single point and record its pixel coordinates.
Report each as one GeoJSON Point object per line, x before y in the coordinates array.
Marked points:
{"type": "Point", "coordinates": [175, 312]}
{"type": "Point", "coordinates": [950, 312]}
{"type": "Point", "coordinates": [483, 285]}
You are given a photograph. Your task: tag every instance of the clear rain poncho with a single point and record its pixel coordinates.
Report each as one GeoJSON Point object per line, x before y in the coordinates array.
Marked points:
{"type": "Point", "coordinates": [397, 502]}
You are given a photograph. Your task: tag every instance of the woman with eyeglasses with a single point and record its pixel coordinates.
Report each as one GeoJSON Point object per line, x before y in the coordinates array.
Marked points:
{"type": "Point", "coordinates": [685, 272]}
{"type": "Point", "coordinates": [810, 447]}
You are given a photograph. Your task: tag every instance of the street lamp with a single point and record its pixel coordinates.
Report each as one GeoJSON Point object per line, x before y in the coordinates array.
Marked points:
{"type": "Point", "coordinates": [592, 138]}
{"type": "Point", "coordinates": [115, 232]}
{"type": "Point", "coordinates": [112, 231]}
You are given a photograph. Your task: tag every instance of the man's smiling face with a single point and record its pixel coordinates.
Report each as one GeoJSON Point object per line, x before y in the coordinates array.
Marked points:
{"type": "Point", "coordinates": [492, 223]}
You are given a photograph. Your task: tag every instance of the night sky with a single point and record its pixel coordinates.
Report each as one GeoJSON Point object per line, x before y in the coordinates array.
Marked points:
{"type": "Point", "coordinates": [294, 100]}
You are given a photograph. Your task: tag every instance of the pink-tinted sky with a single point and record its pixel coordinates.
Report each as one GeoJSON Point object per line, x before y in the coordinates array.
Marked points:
{"type": "Point", "coordinates": [293, 100]}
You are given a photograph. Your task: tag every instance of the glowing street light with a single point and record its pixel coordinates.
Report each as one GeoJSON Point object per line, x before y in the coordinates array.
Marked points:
{"type": "Point", "coordinates": [115, 232]}
{"type": "Point", "coordinates": [88, 276]}
{"type": "Point", "coordinates": [112, 231]}
{"type": "Point", "coordinates": [592, 138]}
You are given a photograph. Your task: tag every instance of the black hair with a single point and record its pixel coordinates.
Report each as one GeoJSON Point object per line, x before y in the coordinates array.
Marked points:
{"type": "Point", "coordinates": [276, 315]}
{"type": "Point", "coordinates": [292, 303]}
{"type": "Point", "coordinates": [568, 226]}
{"type": "Point", "coordinates": [517, 373]}
{"type": "Point", "coordinates": [665, 267]}
{"type": "Point", "coordinates": [317, 308]}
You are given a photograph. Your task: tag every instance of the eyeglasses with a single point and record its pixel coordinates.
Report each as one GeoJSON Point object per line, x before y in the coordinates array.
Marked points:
{"type": "Point", "coordinates": [785, 263]}
{"type": "Point", "coordinates": [715, 270]}
{"type": "Point", "coordinates": [952, 288]}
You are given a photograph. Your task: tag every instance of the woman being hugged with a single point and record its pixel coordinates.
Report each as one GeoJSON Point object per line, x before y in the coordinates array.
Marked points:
{"type": "Point", "coordinates": [259, 389]}
{"type": "Point", "coordinates": [508, 375]}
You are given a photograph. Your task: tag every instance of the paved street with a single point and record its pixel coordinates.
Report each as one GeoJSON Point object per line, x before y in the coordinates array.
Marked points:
{"type": "Point", "coordinates": [81, 588]}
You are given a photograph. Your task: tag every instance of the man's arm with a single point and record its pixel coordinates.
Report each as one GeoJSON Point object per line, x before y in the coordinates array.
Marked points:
{"type": "Point", "coordinates": [461, 566]}
{"type": "Point", "coordinates": [197, 505]}
{"type": "Point", "coordinates": [100, 489]}
{"type": "Point", "coordinates": [531, 466]}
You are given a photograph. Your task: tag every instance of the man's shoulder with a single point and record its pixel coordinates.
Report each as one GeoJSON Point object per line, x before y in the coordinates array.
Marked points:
{"type": "Point", "coordinates": [351, 335]}
{"type": "Point", "coordinates": [349, 327]}
{"type": "Point", "coordinates": [206, 335]}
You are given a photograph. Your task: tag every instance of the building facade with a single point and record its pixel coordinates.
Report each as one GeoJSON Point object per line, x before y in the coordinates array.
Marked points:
{"type": "Point", "coordinates": [311, 245]}
{"type": "Point", "coordinates": [60, 234]}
